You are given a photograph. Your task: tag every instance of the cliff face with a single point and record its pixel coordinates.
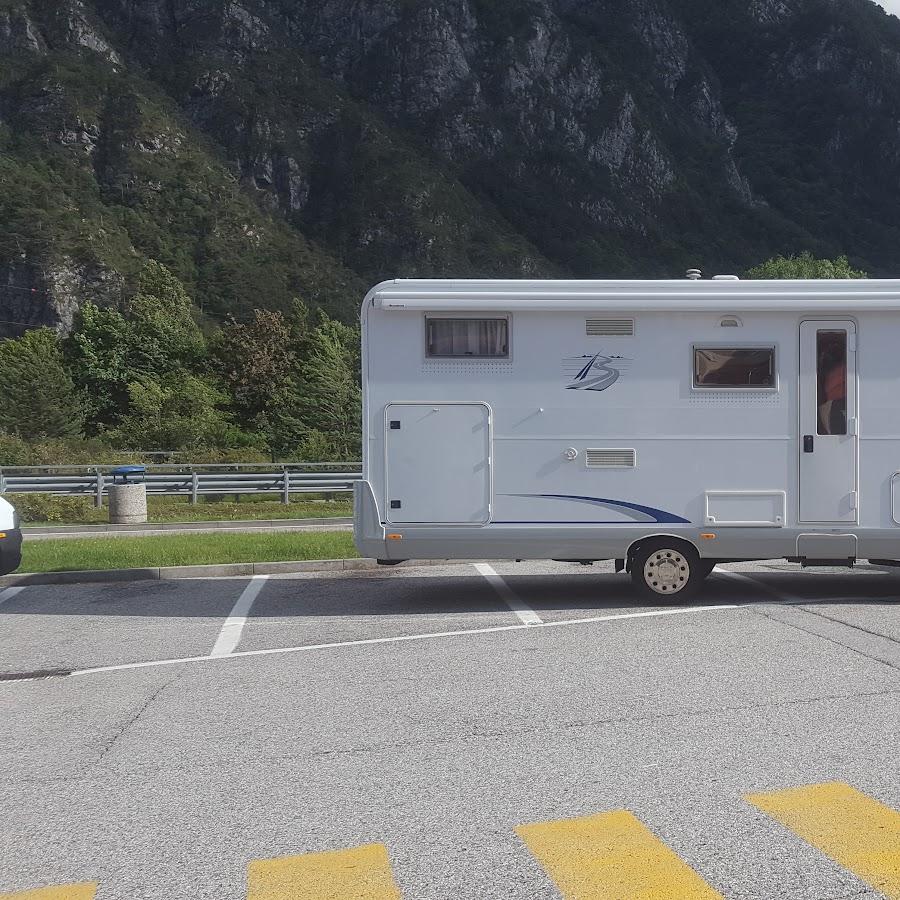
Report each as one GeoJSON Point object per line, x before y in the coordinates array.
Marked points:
{"type": "Point", "coordinates": [266, 149]}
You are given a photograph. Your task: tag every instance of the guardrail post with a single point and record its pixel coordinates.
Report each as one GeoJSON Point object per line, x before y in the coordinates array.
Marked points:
{"type": "Point", "coordinates": [2, 483]}
{"type": "Point", "coordinates": [286, 485]}
{"type": "Point", "coordinates": [195, 485]}
{"type": "Point", "coordinates": [98, 500]}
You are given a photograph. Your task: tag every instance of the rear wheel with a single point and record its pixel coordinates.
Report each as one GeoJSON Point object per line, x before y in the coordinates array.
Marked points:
{"type": "Point", "coordinates": [667, 570]}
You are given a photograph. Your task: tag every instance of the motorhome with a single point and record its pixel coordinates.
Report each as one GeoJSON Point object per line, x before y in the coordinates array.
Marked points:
{"type": "Point", "coordinates": [665, 424]}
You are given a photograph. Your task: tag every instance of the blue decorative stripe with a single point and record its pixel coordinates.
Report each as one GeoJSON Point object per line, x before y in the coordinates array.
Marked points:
{"type": "Point", "coordinates": [656, 515]}
{"type": "Point", "coordinates": [561, 522]}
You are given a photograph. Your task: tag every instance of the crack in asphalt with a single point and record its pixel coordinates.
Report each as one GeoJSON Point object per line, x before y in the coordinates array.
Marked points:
{"type": "Point", "coordinates": [599, 723]}
{"type": "Point", "coordinates": [878, 634]}
{"type": "Point", "coordinates": [833, 640]}
{"type": "Point", "coordinates": [497, 733]}
{"type": "Point", "coordinates": [109, 744]}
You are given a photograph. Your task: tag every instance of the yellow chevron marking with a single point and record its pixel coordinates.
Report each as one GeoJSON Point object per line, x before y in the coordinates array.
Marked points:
{"type": "Point", "coordinates": [856, 831]}
{"type": "Point", "coordinates": [360, 873]}
{"type": "Point", "coordinates": [83, 891]}
{"type": "Point", "coordinates": [612, 856]}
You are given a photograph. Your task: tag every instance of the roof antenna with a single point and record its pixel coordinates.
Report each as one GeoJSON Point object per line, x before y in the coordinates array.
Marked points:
{"type": "Point", "coordinates": [694, 274]}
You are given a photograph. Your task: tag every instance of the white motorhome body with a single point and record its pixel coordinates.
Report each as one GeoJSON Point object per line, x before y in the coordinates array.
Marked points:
{"type": "Point", "coordinates": [584, 419]}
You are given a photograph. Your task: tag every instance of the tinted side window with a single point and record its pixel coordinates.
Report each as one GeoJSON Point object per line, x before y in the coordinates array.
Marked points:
{"type": "Point", "coordinates": [718, 367]}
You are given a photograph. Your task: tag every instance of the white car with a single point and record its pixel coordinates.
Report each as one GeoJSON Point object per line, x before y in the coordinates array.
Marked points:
{"type": "Point", "coordinates": [10, 538]}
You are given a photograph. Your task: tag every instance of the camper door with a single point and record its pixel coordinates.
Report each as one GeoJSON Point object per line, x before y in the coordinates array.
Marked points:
{"type": "Point", "coordinates": [828, 422]}
{"type": "Point", "coordinates": [438, 463]}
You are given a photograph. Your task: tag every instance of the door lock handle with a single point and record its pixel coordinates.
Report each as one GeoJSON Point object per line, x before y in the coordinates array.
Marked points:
{"type": "Point", "coordinates": [807, 443]}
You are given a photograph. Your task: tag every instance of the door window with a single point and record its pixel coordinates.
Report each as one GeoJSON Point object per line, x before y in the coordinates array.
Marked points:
{"type": "Point", "coordinates": [831, 382]}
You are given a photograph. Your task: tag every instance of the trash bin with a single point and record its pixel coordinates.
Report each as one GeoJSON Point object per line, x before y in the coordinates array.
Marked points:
{"type": "Point", "coordinates": [128, 496]}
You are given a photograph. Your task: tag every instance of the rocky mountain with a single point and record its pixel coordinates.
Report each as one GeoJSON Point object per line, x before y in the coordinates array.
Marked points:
{"type": "Point", "coordinates": [268, 149]}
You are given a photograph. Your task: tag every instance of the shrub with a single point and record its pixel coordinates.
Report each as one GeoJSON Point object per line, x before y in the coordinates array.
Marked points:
{"type": "Point", "coordinates": [13, 451]}
{"type": "Point", "coordinates": [37, 508]}
{"type": "Point", "coordinates": [89, 452]}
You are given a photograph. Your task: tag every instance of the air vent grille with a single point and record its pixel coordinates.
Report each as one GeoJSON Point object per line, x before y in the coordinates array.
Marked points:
{"type": "Point", "coordinates": [609, 326]}
{"type": "Point", "coordinates": [618, 458]}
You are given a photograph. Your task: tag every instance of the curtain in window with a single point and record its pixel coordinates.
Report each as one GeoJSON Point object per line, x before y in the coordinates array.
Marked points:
{"type": "Point", "coordinates": [468, 337]}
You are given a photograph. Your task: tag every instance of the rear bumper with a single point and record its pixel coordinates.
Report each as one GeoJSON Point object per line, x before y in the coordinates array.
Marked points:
{"type": "Point", "coordinates": [10, 551]}
{"type": "Point", "coordinates": [368, 532]}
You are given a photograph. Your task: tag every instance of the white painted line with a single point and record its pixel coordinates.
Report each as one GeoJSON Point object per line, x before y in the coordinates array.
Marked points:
{"type": "Point", "coordinates": [9, 593]}
{"type": "Point", "coordinates": [407, 637]}
{"type": "Point", "coordinates": [527, 616]}
{"type": "Point", "coordinates": [230, 635]}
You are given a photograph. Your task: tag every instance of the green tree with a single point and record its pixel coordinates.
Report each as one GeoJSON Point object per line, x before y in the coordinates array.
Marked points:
{"type": "Point", "coordinates": [158, 336]}
{"type": "Point", "coordinates": [804, 266]}
{"type": "Point", "coordinates": [99, 351]}
{"type": "Point", "coordinates": [40, 399]}
{"type": "Point", "coordinates": [330, 393]}
{"type": "Point", "coordinates": [166, 336]}
{"type": "Point", "coordinates": [315, 413]}
{"type": "Point", "coordinates": [179, 411]}
{"type": "Point", "coordinates": [256, 359]}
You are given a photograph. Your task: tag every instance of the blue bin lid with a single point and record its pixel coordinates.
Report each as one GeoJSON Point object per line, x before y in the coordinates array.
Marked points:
{"type": "Point", "coordinates": [128, 470]}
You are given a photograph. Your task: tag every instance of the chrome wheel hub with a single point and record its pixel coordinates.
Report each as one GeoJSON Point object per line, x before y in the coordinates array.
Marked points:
{"type": "Point", "coordinates": [666, 571]}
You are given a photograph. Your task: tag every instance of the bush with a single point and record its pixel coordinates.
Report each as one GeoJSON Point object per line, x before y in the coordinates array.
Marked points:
{"type": "Point", "coordinates": [13, 451]}
{"type": "Point", "coordinates": [89, 452]}
{"type": "Point", "coordinates": [38, 508]}
{"type": "Point", "coordinates": [241, 455]}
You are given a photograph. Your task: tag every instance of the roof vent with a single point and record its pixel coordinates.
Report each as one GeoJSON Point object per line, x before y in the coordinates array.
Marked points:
{"type": "Point", "coordinates": [609, 459]}
{"type": "Point", "coordinates": [726, 278]}
{"type": "Point", "coordinates": [694, 274]}
{"type": "Point", "coordinates": [609, 326]}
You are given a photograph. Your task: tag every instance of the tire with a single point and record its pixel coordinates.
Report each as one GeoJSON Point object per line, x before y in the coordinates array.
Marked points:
{"type": "Point", "coordinates": [664, 570]}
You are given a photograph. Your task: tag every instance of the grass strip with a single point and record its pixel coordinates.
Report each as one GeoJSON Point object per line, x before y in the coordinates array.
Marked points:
{"type": "Point", "coordinates": [63, 511]}
{"type": "Point", "coordinates": [183, 550]}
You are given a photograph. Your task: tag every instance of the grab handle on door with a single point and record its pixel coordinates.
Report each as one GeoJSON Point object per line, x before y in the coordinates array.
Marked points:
{"type": "Point", "coordinates": [807, 443]}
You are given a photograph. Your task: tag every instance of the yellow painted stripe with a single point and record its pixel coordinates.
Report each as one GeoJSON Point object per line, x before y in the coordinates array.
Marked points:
{"type": "Point", "coordinates": [83, 891]}
{"type": "Point", "coordinates": [856, 831]}
{"type": "Point", "coordinates": [361, 873]}
{"type": "Point", "coordinates": [611, 856]}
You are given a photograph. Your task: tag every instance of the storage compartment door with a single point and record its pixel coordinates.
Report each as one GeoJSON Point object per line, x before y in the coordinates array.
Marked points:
{"type": "Point", "coordinates": [438, 463]}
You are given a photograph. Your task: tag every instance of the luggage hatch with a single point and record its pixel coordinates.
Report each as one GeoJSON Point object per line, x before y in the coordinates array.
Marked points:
{"type": "Point", "coordinates": [438, 463]}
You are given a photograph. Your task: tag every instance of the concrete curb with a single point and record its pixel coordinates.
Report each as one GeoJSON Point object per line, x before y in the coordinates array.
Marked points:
{"type": "Point", "coordinates": [103, 530]}
{"type": "Point", "coordinates": [226, 570]}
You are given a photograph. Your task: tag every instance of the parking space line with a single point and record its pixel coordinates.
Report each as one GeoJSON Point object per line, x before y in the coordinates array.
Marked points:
{"type": "Point", "coordinates": [230, 634]}
{"type": "Point", "coordinates": [9, 593]}
{"type": "Point", "coordinates": [84, 891]}
{"type": "Point", "coordinates": [856, 831]}
{"type": "Point", "coordinates": [527, 616]}
{"type": "Point", "coordinates": [332, 875]}
{"type": "Point", "coordinates": [403, 638]}
{"type": "Point", "coordinates": [611, 855]}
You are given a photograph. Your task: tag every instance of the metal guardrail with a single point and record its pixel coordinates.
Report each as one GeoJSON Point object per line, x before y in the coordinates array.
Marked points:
{"type": "Point", "coordinates": [190, 481]}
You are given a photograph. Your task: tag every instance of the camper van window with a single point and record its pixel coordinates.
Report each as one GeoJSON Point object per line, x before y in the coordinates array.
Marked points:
{"type": "Point", "coordinates": [467, 338]}
{"type": "Point", "coordinates": [730, 368]}
{"type": "Point", "coordinates": [831, 382]}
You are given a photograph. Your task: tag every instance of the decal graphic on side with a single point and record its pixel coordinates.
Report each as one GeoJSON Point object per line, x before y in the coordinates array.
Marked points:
{"type": "Point", "coordinates": [636, 512]}
{"type": "Point", "coordinates": [593, 372]}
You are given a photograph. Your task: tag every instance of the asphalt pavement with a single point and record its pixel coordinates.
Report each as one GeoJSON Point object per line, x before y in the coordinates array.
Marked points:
{"type": "Point", "coordinates": [496, 730]}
